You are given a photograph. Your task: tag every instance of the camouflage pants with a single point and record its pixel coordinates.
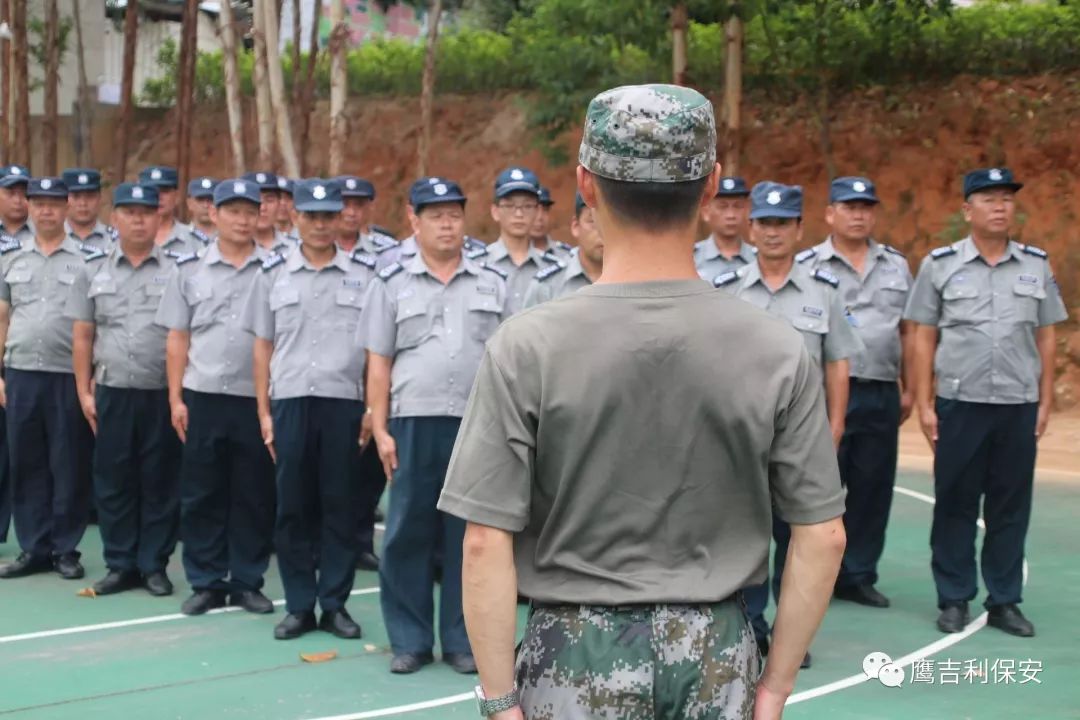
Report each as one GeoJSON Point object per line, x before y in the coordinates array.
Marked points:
{"type": "Point", "coordinates": [668, 662]}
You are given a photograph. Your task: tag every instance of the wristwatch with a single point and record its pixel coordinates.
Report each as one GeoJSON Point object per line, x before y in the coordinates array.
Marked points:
{"type": "Point", "coordinates": [496, 705]}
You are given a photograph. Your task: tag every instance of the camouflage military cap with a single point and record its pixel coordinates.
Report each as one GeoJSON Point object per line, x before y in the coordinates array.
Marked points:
{"type": "Point", "coordinates": [649, 133]}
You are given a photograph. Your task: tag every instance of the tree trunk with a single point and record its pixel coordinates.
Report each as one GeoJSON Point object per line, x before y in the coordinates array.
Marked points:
{"type": "Point", "coordinates": [84, 148]}
{"type": "Point", "coordinates": [427, 88]}
{"type": "Point", "coordinates": [123, 128]}
{"type": "Point", "coordinates": [50, 119]}
{"type": "Point", "coordinates": [823, 77]}
{"type": "Point", "coordinates": [733, 31]}
{"type": "Point", "coordinates": [339, 86]}
{"type": "Point", "coordinates": [5, 88]}
{"type": "Point", "coordinates": [679, 21]}
{"type": "Point", "coordinates": [20, 151]}
{"type": "Point", "coordinates": [307, 95]}
{"type": "Point", "coordinates": [277, 93]}
{"type": "Point", "coordinates": [232, 88]}
{"type": "Point", "coordinates": [188, 55]}
{"type": "Point", "coordinates": [264, 112]}
{"type": "Point", "coordinates": [296, 53]}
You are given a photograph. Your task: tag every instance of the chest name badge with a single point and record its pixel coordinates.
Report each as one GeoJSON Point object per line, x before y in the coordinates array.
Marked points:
{"type": "Point", "coordinates": [485, 289]}
{"type": "Point", "coordinates": [161, 279]}
{"type": "Point", "coordinates": [812, 311]}
{"type": "Point", "coordinates": [1028, 279]}
{"type": "Point", "coordinates": [352, 282]}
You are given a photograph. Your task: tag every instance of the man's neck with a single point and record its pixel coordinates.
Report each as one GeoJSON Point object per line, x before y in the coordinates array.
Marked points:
{"type": "Point", "coordinates": [348, 242]}
{"type": "Point", "coordinates": [136, 254]}
{"type": "Point", "coordinates": [592, 270]}
{"type": "Point", "coordinates": [82, 230]}
{"type": "Point", "coordinates": [516, 247]}
{"type": "Point", "coordinates": [541, 243]}
{"type": "Point", "coordinates": [285, 227]}
{"type": "Point", "coordinates": [206, 228]}
{"type": "Point", "coordinates": [266, 236]}
{"type": "Point", "coordinates": [991, 247]}
{"type": "Point", "coordinates": [165, 230]}
{"type": "Point", "coordinates": [775, 271]}
{"type": "Point", "coordinates": [236, 253]}
{"type": "Point", "coordinates": [50, 243]}
{"type": "Point", "coordinates": [443, 267]}
{"type": "Point", "coordinates": [849, 247]}
{"type": "Point", "coordinates": [319, 258]}
{"type": "Point", "coordinates": [13, 227]}
{"type": "Point", "coordinates": [728, 245]}
{"type": "Point", "coordinates": [645, 256]}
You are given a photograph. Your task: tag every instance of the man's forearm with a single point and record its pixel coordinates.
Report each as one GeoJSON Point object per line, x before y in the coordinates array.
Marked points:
{"type": "Point", "coordinates": [82, 355]}
{"type": "Point", "coordinates": [489, 599]}
{"type": "Point", "coordinates": [261, 353]}
{"type": "Point", "coordinates": [925, 347]}
{"type": "Point", "coordinates": [176, 357]}
{"type": "Point", "coordinates": [1046, 341]}
{"type": "Point", "coordinates": [377, 391]}
{"type": "Point", "coordinates": [836, 390]}
{"type": "Point", "coordinates": [813, 562]}
{"type": "Point", "coordinates": [907, 356]}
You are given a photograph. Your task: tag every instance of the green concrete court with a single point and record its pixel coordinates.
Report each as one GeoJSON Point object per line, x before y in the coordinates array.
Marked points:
{"type": "Point", "coordinates": [134, 657]}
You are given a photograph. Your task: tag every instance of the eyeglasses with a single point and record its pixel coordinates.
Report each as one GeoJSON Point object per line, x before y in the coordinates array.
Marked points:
{"type": "Point", "coordinates": [514, 209]}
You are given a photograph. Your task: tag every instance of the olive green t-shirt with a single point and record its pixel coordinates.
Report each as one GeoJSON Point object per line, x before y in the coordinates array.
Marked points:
{"type": "Point", "coordinates": [634, 437]}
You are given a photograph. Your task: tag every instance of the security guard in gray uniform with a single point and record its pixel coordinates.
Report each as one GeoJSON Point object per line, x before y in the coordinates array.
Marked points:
{"type": "Point", "coordinates": [809, 300]}
{"type": "Point", "coordinates": [357, 232]}
{"type": "Point", "coordinates": [726, 215]}
{"type": "Point", "coordinates": [284, 220]}
{"type": "Point", "coordinates": [986, 307]}
{"type": "Point", "coordinates": [14, 214]}
{"type": "Point", "coordinates": [305, 311]}
{"type": "Point", "coordinates": [47, 437]}
{"type": "Point", "coordinates": [874, 283]}
{"type": "Point", "coordinates": [173, 236]}
{"type": "Point", "coordinates": [517, 202]}
{"type": "Point", "coordinates": [427, 322]}
{"type": "Point", "coordinates": [119, 360]}
{"type": "Point", "coordinates": [580, 269]}
{"type": "Point", "coordinates": [541, 228]}
{"type": "Point", "coordinates": [227, 477]}
{"type": "Point", "coordinates": [267, 234]}
{"type": "Point", "coordinates": [200, 198]}
{"type": "Point", "coordinates": [84, 207]}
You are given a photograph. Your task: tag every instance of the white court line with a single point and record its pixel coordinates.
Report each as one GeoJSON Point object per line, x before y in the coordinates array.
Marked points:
{"type": "Point", "coordinates": [401, 709]}
{"type": "Point", "coordinates": [153, 619]}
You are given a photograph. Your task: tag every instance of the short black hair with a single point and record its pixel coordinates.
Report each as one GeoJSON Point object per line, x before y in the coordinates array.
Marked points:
{"type": "Point", "coordinates": [653, 205]}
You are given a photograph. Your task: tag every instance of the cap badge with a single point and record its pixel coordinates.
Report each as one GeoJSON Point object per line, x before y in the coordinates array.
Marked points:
{"type": "Point", "coordinates": [239, 188]}
{"type": "Point", "coordinates": [440, 189]}
{"type": "Point", "coordinates": [729, 184]}
{"type": "Point", "coordinates": [84, 179]}
{"type": "Point", "coordinates": [858, 186]}
{"type": "Point", "coordinates": [319, 193]}
{"type": "Point", "coordinates": [46, 184]}
{"type": "Point", "coordinates": [155, 174]}
{"type": "Point", "coordinates": [516, 174]}
{"type": "Point", "coordinates": [994, 174]}
{"type": "Point", "coordinates": [773, 198]}
{"type": "Point", "coordinates": [206, 183]}
{"type": "Point", "coordinates": [137, 193]}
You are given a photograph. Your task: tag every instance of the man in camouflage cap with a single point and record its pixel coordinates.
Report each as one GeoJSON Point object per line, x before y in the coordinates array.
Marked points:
{"type": "Point", "coordinates": [621, 456]}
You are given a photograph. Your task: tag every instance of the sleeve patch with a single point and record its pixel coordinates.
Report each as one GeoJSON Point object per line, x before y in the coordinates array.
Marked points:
{"type": "Point", "coordinates": [725, 278]}
{"type": "Point", "coordinates": [200, 236]}
{"type": "Point", "coordinates": [1037, 252]}
{"type": "Point", "coordinates": [364, 259]}
{"type": "Point", "coordinates": [826, 277]}
{"type": "Point", "coordinates": [547, 272]}
{"type": "Point", "coordinates": [894, 251]}
{"type": "Point", "coordinates": [501, 273]}
{"type": "Point", "coordinates": [475, 253]}
{"type": "Point", "coordinates": [8, 244]}
{"type": "Point", "coordinates": [188, 257]}
{"type": "Point", "coordinates": [390, 271]}
{"type": "Point", "coordinates": [805, 255]}
{"type": "Point", "coordinates": [941, 252]}
{"type": "Point", "coordinates": [272, 262]}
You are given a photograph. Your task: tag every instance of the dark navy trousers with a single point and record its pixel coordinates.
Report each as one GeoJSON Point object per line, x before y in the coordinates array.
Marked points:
{"type": "Point", "coordinates": [5, 479]}
{"type": "Point", "coordinates": [415, 528]}
{"type": "Point", "coordinates": [318, 501]}
{"type": "Point", "coordinates": [226, 494]}
{"type": "Point", "coordinates": [48, 443]}
{"type": "Point", "coordinates": [372, 485]}
{"type": "Point", "coordinates": [984, 453]}
{"type": "Point", "coordinates": [136, 478]}
{"type": "Point", "coordinates": [867, 457]}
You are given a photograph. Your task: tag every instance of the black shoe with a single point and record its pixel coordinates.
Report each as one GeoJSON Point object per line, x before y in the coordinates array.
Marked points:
{"type": "Point", "coordinates": [863, 595]}
{"type": "Point", "coordinates": [1008, 618]}
{"type": "Point", "coordinates": [338, 622]}
{"type": "Point", "coordinates": [463, 663]}
{"type": "Point", "coordinates": [408, 663]}
{"type": "Point", "coordinates": [25, 564]}
{"type": "Point", "coordinates": [295, 625]}
{"type": "Point", "coordinates": [805, 661]}
{"type": "Point", "coordinates": [367, 561]}
{"type": "Point", "coordinates": [763, 646]}
{"type": "Point", "coordinates": [116, 581]}
{"type": "Point", "coordinates": [69, 567]}
{"type": "Point", "coordinates": [253, 601]}
{"type": "Point", "coordinates": [202, 601]}
{"type": "Point", "coordinates": [954, 618]}
{"type": "Point", "coordinates": [158, 584]}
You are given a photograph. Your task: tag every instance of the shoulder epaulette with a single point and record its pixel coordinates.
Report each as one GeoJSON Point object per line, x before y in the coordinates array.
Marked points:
{"type": "Point", "coordinates": [364, 259]}
{"type": "Point", "coordinates": [8, 244]}
{"type": "Point", "coordinates": [390, 271]}
{"type": "Point", "coordinates": [87, 248]}
{"type": "Point", "coordinates": [941, 252]}
{"type": "Point", "coordinates": [1037, 252]}
{"type": "Point", "coordinates": [182, 258]}
{"type": "Point", "coordinates": [200, 236]}
{"type": "Point", "coordinates": [565, 247]}
{"type": "Point", "coordinates": [380, 230]}
{"type": "Point", "coordinates": [805, 255]}
{"type": "Point", "coordinates": [272, 262]}
{"type": "Point", "coordinates": [472, 243]}
{"type": "Point", "coordinates": [826, 277]}
{"type": "Point", "coordinates": [95, 254]}
{"type": "Point", "coordinates": [725, 278]}
{"type": "Point", "coordinates": [548, 272]}
{"type": "Point", "coordinates": [383, 242]}
{"type": "Point", "coordinates": [112, 232]}
{"type": "Point", "coordinates": [476, 253]}
{"type": "Point", "coordinates": [551, 257]}
{"type": "Point", "coordinates": [501, 273]}
{"type": "Point", "coordinates": [894, 251]}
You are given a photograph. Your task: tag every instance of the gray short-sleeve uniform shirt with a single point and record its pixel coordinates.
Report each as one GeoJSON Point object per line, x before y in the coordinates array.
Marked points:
{"type": "Point", "coordinates": [711, 263]}
{"type": "Point", "coordinates": [122, 302]}
{"type": "Point", "coordinates": [557, 280]}
{"type": "Point", "coordinates": [313, 317]}
{"type": "Point", "coordinates": [206, 298]}
{"type": "Point", "coordinates": [987, 316]}
{"type": "Point", "coordinates": [182, 241]}
{"type": "Point", "coordinates": [36, 286]}
{"type": "Point", "coordinates": [518, 277]}
{"type": "Point", "coordinates": [808, 300]}
{"type": "Point", "coordinates": [102, 237]}
{"type": "Point", "coordinates": [874, 301]}
{"type": "Point", "coordinates": [640, 462]}
{"type": "Point", "coordinates": [24, 234]}
{"type": "Point", "coordinates": [434, 333]}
